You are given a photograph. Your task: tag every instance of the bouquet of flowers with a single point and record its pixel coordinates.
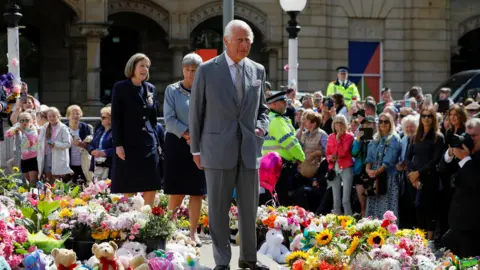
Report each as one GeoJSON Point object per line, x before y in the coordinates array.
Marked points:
{"type": "Point", "coordinates": [159, 224]}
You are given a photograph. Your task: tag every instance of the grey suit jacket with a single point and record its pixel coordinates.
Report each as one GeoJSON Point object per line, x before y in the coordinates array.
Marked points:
{"type": "Point", "coordinates": [221, 129]}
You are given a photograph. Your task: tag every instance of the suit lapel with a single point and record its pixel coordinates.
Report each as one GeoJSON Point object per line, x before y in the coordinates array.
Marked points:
{"type": "Point", "coordinates": [248, 78]}
{"type": "Point", "coordinates": [224, 72]}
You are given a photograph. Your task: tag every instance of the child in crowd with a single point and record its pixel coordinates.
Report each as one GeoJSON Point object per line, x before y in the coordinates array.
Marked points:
{"type": "Point", "coordinates": [28, 133]}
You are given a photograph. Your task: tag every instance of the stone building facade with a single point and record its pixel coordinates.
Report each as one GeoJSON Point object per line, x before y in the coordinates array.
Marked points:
{"type": "Point", "coordinates": [75, 49]}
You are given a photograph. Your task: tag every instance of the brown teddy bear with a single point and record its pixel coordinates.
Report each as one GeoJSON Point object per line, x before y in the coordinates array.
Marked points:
{"type": "Point", "coordinates": [139, 263]}
{"type": "Point", "coordinates": [65, 259]}
{"type": "Point", "coordinates": [105, 253]}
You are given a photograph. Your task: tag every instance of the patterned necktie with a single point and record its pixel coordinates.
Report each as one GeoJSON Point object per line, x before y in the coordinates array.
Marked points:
{"type": "Point", "coordinates": [239, 82]}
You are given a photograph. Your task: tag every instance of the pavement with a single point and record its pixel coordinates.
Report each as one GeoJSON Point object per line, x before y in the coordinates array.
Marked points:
{"type": "Point", "coordinates": [206, 257]}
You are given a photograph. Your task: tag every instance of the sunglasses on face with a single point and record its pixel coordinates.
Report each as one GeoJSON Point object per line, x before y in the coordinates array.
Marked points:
{"type": "Point", "coordinates": [24, 120]}
{"type": "Point", "coordinates": [104, 117]}
{"type": "Point", "coordinates": [427, 116]}
{"type": "Point", "coordinates": [383, 122]}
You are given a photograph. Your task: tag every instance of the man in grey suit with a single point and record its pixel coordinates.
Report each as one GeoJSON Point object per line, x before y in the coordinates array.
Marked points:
{"type": "Point", "coordinates": [227, 121]}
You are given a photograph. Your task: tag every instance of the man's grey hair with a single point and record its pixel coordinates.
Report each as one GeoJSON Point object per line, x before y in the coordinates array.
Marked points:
{"type": "Point", "coordinates": [192, 59]}
{"type": "Point", "coordinates": [473, 123]}
{"type": "Point", "coordinates": [409, 119]}
{"type": "Point", "coordinates": [237, 24]}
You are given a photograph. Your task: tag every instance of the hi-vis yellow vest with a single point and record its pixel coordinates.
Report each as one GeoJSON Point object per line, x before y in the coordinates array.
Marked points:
{"type": "Point", "coordinates": [348, 90]}
{"type": "Point", "coordinates": [281, 139]}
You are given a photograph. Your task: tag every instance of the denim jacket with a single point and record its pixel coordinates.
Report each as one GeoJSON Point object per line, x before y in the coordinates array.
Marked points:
{"type": "Point", "coordinates": [376, 150]}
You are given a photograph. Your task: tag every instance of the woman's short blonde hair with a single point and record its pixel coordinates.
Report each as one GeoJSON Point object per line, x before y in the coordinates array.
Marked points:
{"type": "Point", "coordinates": [339, 118]}
{"type": "Point", "coordinates": [132, 63]}
{"type": "Point", "coordinates": [54, 110]}
{"type": "Point", "coordinates": [72, 108]}
{"type": "Point", "coordinates": [107, 110]}
{"type": "Point", "coordinates": [377, 136]}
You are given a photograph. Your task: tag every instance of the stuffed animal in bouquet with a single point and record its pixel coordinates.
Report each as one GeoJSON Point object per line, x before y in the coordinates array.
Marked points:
{"type": "Point", "coordinates": [172, 261]}
{"type": "Point", "coordinates": [138, 262]}
{"type": "Point", "coordinates": [64, 259]}
{"type": "Point", "coordinates": [273, 246]}
{"type": "Point", "coordinates": [4, 264]}
{"type": "Point", "coordinates": [281, 223]}
{"type": "Point", "coordinates": [129, 250]}
{"type": "Point", "coordinates": [105, 253]}
{"type": "Point", "coordinates": [177, 259]}
{"type": "Point", "coordinates": [35, 261]}
{"type": "Point", "coordinates": [296, 244]}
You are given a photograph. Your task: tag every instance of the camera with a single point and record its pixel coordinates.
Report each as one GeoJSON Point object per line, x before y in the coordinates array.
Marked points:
{"type": "Point", "coordinates": [459, 140]}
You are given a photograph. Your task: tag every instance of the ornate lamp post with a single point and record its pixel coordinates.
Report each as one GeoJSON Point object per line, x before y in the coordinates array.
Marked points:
{"type": "Point", "coordinates": [12, 16]}
{"type": "Point", "coordinates": [292, 8]}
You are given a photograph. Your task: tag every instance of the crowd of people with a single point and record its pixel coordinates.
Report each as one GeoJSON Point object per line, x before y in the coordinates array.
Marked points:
{"type": "Point", "coordinates": [340, 154]}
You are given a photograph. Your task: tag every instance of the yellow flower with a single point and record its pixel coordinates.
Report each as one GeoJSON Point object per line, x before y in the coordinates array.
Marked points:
{"type": "Point", "coordinates": [65, 213]}
{"type": "Point", "coordinates": [115, 198]}
{"type": "Point", "coordinates": [382, 231]}
{"type": "Point", "coordinates": [58, 231]}
{"type": "Point", "coordinates": [294, 256]}
{"type": "Point", "coordinates": [52, 223]}
{"type": "Point", "coordinates": [344, 221]}
{"type": "Point", "coordinates": [324, 237]}
{"type": "Point", "coordinates": [353, 246]}
{"type": "Point", "coordinates": [114, 234]}
{"type": "Point", "coordinates": [420, 232]}
{"type": "Point", "coordinates": [22, 190]}
{"type": "Point", "coordinates": [375, 239]}
{"type": "Point", "coordinates": [78, 202]}
{"type": "Point", "coordinates": [108, 181]}
{"type": "Point", "coordinates": [64, 203]}
{"type": "Point", "coordinates": [103, 235]}
{"type": "Point", "coordinates": [15, 169]}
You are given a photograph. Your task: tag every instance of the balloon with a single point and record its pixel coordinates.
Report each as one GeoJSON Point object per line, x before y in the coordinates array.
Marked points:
{"type": "Point", "coordinates": [270, 169]}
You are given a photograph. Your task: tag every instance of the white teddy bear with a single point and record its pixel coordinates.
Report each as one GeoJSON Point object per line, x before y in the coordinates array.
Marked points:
{"type": "Point", "coordinates": [129, 250]}
{"type": "Point", "coordinates": [296, 243]}
{"type": "Point", "coordinates": [273, 246]}
{"type": "Point", "coordinates": [281, 223]}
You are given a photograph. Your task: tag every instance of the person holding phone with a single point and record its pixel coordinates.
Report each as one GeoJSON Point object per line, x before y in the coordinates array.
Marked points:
{"type": "Point", "coordinates": [327, 110]}
{"type": "Point", "coordinates": [359, 153]}
{"type": "Point", "coordinates": [54, 142]}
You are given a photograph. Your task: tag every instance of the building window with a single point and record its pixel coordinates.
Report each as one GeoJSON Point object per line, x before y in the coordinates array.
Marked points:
{"type": "Point", "coordinates": [365, 64]}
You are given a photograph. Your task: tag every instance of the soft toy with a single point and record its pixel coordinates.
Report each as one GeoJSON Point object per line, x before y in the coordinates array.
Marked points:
{"type": "Point", "coordinates": [35, 261]}
{"type": "Point", "coordinates": [297, 243]}
{"type": "Point", "coordinates": [4, 264]}
{"type": "Point", "coordinates": [273, 246]}
{"type": "Point", "coordinates": [139, 263]}
{"type": "Point", "coordinates": [281, 223]}
{"type": "Point", "coordinates": [65, 259]}
{"type": "Point", "coordinates": [176, 259]}
{"type": "Point", "coordinates": [129, 250]}
{"type": "Point", "coordinates": [160, 263]}
{"type": "Point", "coordinates": [105, 253]}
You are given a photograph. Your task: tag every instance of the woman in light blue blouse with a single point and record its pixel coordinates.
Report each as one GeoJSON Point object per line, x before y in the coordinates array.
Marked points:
{"type": "Point", "coordinates": [383, 153]}
{"type": "Point", "coordinates": [181, 175]}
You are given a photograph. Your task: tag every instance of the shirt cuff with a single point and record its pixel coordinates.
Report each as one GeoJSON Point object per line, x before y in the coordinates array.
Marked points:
{"type": "Point", "coordinates": [196, 154]}
{"type": "Point", "coordinates": [463, 161]}
{"type": "Point", "coordinates": [447, 157]}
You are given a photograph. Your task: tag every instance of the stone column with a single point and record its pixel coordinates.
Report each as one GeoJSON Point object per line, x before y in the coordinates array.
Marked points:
{"type": "Point", "coordinates": [94, 34]}
{"type": "Point", "coordinates": [272, 67]}
{"type": "Point", "coordinates": [76, 47]}
{"type": "Point", "coordinates": [178, 48]}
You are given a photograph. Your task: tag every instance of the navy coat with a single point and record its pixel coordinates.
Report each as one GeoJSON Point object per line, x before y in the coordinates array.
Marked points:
{"type": "Point", "coordinates": [134, 123]}
{"type": "Point", "coordinates": [107, 146]}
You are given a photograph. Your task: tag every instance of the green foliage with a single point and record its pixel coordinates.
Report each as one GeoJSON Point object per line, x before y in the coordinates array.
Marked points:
{"type": "Point", "coordinates": [158, 226]}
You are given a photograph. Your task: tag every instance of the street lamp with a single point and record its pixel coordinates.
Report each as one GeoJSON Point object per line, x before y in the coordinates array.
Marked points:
{"type": "Point", "coordinates": [12, 16]}
{"type": "Point", "coordinates": [292, 8]}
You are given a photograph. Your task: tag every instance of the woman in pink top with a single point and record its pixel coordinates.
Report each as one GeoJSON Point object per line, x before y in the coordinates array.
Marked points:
{"type": "Point", "coordinates": [339, 156]}
{"type": "Point", "coordinates": [28, 145]}
{"type": "Point", "coordinates": [54, 142]}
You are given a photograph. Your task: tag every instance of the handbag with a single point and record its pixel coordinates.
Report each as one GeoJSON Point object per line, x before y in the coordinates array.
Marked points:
{"type": "Point", "coordinates": [331, 174]}
{"type": "Point", "coordinates": [308, 169]}
{"type": "Point", "coordinates": [376, 186]}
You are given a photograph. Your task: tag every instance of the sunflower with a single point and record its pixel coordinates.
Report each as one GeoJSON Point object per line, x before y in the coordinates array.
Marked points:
{"type": "Point", "coordinates": [353, 246]}
{"type": "Point", "coordinates": [15, 169]}
{"type": "Point", "coordinates": [295, 256]}
{"type": "Point", "coordinates": [344, 221]}
{"type": "Point", "coordinates": [324, 237]}
{"type": "Point", "coordinates": [375, 239]}
{"type": "Point", "coordinates": [382, 231]}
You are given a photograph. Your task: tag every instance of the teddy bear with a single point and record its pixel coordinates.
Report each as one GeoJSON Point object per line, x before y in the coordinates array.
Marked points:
{"type": "Point", "coordinates": [105, 253]}
{"type": "Point", "coordinates": [35, 261]}
{"type": "Point", "coordinates": [64, 259]}
{"type": "Point", "coordinates": [297, 243]}
{"type": "Point", "coordinates": [130, 250]}
{"type": "Point", "coordinates": [273, 246]}
{"type": "Point", "coordinates": [4, 264]}
{"type": "Point", "coordinates": [138, 262]}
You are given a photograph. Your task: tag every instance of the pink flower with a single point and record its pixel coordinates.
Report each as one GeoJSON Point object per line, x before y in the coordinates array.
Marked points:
{"type": "Point", "coordinates": [20, 234]}
{"type": "Point", "coordinates": [392, 228]}
{"type": "Point", "coordinates": [131, 237]}
{"type": "Point", "coordinates": [31, 249]}
{"type": "Point", "coordinates": [135, 229]}
{"type": "Point", "coordinates": [389, 215]}
{"type": "Point", "coordinates": [33, 202]}
{"type": "Point", "coordinates": [15, 260]}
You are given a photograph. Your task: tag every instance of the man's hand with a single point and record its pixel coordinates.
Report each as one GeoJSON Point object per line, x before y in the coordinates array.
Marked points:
{"type": "Point", "coordinates": [259, 132]}
{"type": "Point", "coordinates": [196, 159]}
{"type": "Point", "coordinates": [461, 153]}
{"type": "Point", "coordinates": [413, 176]}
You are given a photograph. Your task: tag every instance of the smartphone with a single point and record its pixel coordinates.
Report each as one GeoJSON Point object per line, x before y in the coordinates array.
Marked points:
{"type": "Point", "coordinates": [443, 105]}
{"type": "Point", "coordinates": [330, 103]}
{"type": "Point", "coordinates": [367, 133]}
{"type": "Point", "coordinates": [50, 142]}
{"type": "Point", "coordinates": [407, 103]}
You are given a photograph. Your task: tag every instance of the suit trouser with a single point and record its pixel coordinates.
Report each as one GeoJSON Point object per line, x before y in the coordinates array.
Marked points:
{"type": "Point", "coordinates": [220, 186]}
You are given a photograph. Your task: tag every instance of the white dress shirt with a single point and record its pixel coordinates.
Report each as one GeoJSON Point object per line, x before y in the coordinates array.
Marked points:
{"type": "Point", "coordinates": [461, 163]}
{"type": "Point", "coordinates": [232, 67]}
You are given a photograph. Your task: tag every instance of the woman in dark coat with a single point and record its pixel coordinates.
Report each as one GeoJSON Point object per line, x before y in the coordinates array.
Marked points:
{"type": "Point", "coordinates": [134, 121]}
{"type": "Point", "coordinates": [422, 158]}
{"type": "Point", "coordinates": [101, 147]}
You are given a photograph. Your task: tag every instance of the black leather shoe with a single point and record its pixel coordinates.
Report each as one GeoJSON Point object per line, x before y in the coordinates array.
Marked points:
{"type": "Point", "coordinates": [252, 265]}
{"type": "Point", "coordinates": [222, 267]}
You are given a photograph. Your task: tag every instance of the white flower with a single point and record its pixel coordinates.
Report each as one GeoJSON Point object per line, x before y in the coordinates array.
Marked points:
{"type": "Point", "coordinates": [147, 209]}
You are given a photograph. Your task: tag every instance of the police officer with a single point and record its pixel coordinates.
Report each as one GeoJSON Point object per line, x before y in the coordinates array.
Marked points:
{"type": "Point", "coordinates": [281, 139]}
{"type": "Point", "coordinates": [343, 86]}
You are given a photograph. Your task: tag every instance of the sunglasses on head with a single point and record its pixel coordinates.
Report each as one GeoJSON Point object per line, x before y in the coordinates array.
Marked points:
{"type": "Point", "coordinates": [427, 116]}
{"type": "Point", "coordinates": [383, 122]}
